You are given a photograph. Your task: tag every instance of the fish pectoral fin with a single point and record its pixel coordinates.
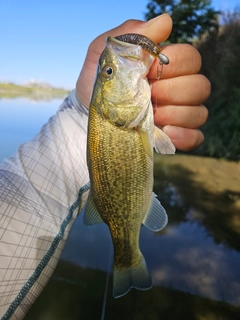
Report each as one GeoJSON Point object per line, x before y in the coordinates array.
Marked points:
{"type": "Point", "coordinates": [146, 143]}
{"type": "Point", "coordinates": [162, 142]}
{"type": "Point", "coordinates": [135, 277]}
{"type": "Point", "coordinates": [156, 218]}
{"type": "Point", "coordinates": [91, 215]}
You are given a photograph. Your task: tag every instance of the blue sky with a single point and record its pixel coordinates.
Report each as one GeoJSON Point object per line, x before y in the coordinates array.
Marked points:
{"type": "Point", "coordinates": [47, 40]}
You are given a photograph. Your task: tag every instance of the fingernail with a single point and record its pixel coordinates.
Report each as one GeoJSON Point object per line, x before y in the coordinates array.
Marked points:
{"type": "Point", "coordinates": [174, 133]}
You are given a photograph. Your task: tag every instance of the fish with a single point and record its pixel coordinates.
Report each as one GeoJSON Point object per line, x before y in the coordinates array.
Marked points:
{"type": "Point", "coordinates": [120, 141]}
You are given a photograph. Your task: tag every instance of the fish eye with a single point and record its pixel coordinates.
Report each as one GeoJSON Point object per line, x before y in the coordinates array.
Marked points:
{"type": "Point", "coordinates": [107, 71]}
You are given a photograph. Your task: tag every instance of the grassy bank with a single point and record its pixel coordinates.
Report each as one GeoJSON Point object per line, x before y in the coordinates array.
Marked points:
{"type": "Point", "coordinates": [10, 90]}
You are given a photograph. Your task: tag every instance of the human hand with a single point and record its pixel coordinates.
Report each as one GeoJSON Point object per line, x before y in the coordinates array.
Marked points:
{"type": "Point", "coordinates": [177, 98]}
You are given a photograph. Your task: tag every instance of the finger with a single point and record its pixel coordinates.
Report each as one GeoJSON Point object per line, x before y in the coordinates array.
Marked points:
{"type": "Point", "coordinates": [184, 59]}
{"type": "Point", "coordinates": [184, 90]}
{"type": "Point", "coordinates": [182, 116]}
{"type": "Point", "coordinates": [158, 29]}
{"type": "Point", "coordinates": [184, 139]}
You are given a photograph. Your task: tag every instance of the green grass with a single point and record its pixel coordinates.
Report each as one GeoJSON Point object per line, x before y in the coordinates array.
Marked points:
{"type": "Point", "coordinates": [10, 90]}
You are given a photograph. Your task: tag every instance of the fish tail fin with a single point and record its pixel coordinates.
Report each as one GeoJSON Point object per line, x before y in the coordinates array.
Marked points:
{"type": "Point", "coordinates": [134, 277]}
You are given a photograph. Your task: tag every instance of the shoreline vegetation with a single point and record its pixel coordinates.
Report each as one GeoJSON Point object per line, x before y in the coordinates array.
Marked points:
{"type": "Point", "coordinates": [35, 91]}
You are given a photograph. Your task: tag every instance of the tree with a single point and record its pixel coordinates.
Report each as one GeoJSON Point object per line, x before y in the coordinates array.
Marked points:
{"type": "Point", "coordinates": [221, 64]}
{"type": "Point", "coordinates": [191, 18]}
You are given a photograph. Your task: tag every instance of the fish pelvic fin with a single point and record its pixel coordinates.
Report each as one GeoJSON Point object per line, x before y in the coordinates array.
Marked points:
{"type": "Point", "coordinates": [156, 218]}
{"type": "Point", "coordinates": [91, 214]}
{"type": "Point", "coordinates": [146, 144]}
{"type": "Point", "coordinates": [135, 277]}
{"type": "Point", "coordinates": [162, 142]}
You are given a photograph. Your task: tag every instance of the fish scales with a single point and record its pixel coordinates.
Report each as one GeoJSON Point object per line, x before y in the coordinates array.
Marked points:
{"type": "Point", "coordinates": [118, 180]}
{"type": "Point", "coordinates": [121, 137]}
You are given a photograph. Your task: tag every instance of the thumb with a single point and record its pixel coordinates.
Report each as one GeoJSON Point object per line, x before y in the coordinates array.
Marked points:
{"type": "Point", "coordinates": [158, 29]}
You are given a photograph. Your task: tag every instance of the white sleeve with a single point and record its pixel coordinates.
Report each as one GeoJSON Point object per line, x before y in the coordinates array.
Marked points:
{"type": "Point", "coordinates": [42, 188]}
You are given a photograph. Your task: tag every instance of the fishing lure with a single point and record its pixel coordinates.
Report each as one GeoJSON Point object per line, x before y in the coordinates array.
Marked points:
{"type": "Point", "coordinates": [149, 45]}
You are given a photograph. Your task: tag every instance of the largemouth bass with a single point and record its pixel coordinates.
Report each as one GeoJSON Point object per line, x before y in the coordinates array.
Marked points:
{"type": "Point", "coordinates": [121, 137]}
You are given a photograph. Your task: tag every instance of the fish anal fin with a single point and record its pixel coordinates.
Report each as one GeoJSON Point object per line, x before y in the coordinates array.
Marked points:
{"type": "Point", "coordinates": [135, 277]}
{"type": "Point", "coordinates": [162, 142]}
{"type": "Point", "coordinates": [91, 215]}
{"type": "Point", "coordinates": [156, 218]}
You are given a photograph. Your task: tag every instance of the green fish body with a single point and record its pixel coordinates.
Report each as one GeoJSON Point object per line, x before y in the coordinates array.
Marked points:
{"type": "Point", "coordinates": [121, 137]}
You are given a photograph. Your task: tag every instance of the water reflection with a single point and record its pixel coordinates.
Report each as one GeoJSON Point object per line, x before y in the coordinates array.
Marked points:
{"type": "Point", "coordinates": [194, 263]}
{"type": "Point", "coordinates": [209, 190]}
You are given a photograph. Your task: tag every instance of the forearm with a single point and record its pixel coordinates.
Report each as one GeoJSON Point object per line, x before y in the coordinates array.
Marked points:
{"type": "Point", "coordinates": [39, 201]}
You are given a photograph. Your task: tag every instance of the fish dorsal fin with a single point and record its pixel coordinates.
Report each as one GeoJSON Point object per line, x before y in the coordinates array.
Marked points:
{"type": "Point", "coordinates": [91, 215]}
{"type": "Point", "coordinates": [146, 143]}
{"type": "Point", "coordinates": [162, 142]}
{"type": "Point", "coordinates": [156, 218]}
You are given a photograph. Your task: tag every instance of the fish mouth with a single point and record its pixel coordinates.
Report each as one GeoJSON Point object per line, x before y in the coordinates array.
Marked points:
{"type": "Point", "coordinates": [146, 43]}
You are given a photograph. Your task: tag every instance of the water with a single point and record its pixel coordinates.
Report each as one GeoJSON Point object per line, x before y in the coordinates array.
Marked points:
{"type": "Point", "coordinates": [194, 261]}
{"type": "Point", "coordinates": [21, 119]}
